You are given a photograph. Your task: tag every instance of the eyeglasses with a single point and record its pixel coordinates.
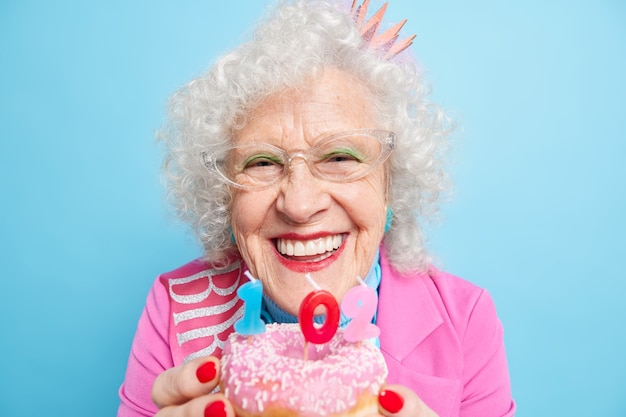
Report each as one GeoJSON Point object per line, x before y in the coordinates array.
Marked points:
{"type": "Point", "coordinates": [339, 158]}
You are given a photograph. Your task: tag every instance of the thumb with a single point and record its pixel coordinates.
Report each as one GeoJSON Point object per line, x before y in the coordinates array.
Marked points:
{"type": "Point", "coordinates": [182, 383]}
{"type": "Point", "coordinates": [400, 401]}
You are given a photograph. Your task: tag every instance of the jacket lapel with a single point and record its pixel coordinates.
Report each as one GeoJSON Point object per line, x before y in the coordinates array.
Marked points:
{"type": "Point", "coordinates": [406, 312]}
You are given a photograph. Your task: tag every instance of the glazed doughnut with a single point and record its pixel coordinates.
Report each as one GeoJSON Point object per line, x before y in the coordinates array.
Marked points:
{"type": "Point", "coordinates": [267, 375]}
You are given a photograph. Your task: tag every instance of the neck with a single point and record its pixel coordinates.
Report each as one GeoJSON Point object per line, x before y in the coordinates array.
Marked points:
{"type": "Point", "coordinates": [272, 313]}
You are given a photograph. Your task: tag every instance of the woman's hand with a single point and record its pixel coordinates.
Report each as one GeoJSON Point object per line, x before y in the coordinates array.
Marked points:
{"type": "Point", "coordinates": [400, 401]}
{"type": "Point", "coordinates": [185, 391]}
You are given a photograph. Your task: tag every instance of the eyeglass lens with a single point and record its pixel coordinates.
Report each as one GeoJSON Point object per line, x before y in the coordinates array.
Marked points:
{"type": "Point", "coordinates": [338, 159]}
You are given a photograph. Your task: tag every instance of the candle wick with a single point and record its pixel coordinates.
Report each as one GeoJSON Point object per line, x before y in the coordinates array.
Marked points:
{"type": "Point", "coordinates": [313, 283]}
{"type": "Point", "coordinates": [250, 277]}
{"type": "Point", "coordinates": [306, 350]}
{"type": "Point", "coordinates": [358, 278]}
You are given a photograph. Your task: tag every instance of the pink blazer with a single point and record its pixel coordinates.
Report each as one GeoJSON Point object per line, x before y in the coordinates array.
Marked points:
{"type": "Point", "coordinates": [439, 334]}
{"type": "Point", "coordinates": [441, 337]}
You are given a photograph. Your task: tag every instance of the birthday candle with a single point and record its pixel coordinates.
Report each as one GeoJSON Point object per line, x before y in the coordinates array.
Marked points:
{"type": "Point", "coordinates": [251, 293]}
{"type": "Point", "coordinates": [324, 333]}
{"type": "Point", "coordinates": [360, 304]}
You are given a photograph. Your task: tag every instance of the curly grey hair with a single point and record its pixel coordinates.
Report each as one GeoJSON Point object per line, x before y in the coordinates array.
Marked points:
{"type": "Point", "coordinates": [295, 42]}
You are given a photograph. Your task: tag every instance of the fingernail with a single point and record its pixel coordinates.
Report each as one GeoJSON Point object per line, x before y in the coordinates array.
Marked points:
{"type": "Point", "coordinates": [206, 372]}
{"type": "Point", "coordinates": [390, 401]}
{"type": "Point", "coordinates": [215, 409]}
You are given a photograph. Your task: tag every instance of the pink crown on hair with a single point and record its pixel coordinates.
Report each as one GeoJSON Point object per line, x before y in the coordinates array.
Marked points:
{"type": "Point", "coordinates": [385, 41]}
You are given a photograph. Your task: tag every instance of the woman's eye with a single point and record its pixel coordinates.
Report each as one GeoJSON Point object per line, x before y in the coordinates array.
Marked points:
{"type": "Point", "coordinates": [261, 161]}
{"type": "Point", "coordinates": [342, 156]}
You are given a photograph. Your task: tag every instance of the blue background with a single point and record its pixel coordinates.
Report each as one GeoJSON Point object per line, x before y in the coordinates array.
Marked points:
{"type": "Point", "coordinates": [536, 87]}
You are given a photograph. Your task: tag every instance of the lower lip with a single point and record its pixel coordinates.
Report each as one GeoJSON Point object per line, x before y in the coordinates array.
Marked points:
{"type": "Point", "coordinates": [308, 266]}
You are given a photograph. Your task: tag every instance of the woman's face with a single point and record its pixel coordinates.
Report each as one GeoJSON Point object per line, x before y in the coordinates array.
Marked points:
{"type": "Point", "coordinates": [302, 209]}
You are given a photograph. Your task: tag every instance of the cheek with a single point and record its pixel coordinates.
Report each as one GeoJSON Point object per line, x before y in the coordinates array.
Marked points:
{"type": "Point", "coordinates": [249, 211]}
{"type": "Point", "coordinates": [365, 204]}
{"type": "Point", "coordinates": [243, 214]}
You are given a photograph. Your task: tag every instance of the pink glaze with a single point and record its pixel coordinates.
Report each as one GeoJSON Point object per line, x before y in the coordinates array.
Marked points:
{"type": "Point", "coordinates": [268, 370]}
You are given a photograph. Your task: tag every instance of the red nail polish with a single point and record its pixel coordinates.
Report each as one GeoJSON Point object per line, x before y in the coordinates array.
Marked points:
{"type": "Point", "coordinates": [390, 401]}
{"type": "Point", "coordinates": [206, 372]}
{"type": "Point", "coordinates": [215, 409]}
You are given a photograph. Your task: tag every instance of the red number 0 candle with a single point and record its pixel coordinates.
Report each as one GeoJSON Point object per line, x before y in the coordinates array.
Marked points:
{"type": "Point", "coordinates": [326, 332]}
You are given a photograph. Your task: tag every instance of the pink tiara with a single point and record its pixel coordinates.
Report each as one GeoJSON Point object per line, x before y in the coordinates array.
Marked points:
{"type": "Point", "coordinates": [385, 41]}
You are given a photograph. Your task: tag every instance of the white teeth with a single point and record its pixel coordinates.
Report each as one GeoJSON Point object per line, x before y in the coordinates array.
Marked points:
{"type": "Point", "coordinates": [298, 249]}
{"type": "Point", "coordinates": [308, 247]}
{"type": "Point", "coordinates": [321, 246]}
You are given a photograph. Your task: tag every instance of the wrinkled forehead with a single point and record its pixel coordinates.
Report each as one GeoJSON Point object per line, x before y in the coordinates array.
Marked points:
{"type": "Point", "coordinates": [329, 103]}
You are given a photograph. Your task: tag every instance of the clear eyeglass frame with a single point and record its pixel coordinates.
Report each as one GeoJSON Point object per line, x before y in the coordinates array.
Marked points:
{"type": "Point", "coordinates": [339, 158]}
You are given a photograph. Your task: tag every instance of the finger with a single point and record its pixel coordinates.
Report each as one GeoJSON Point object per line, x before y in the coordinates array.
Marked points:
{"type": "Point", "coordinates": [212, 405]}
{"type": "Point", "coordinates": [182, 383]}
{"type": "Point", "coordinates": [400, 401]}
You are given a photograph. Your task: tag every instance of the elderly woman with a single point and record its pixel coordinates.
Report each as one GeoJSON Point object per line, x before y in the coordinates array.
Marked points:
{"type": "Point", "coordinates": [311, 148]}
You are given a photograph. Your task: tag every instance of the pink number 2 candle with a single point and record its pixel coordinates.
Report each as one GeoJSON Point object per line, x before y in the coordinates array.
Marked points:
{"type": "Point", "coordinates": [360, 304]}
{"type": "Point", "coordinates": [251, 293]}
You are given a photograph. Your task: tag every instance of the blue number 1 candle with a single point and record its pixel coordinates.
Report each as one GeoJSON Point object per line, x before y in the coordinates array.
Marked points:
{"type": "Point", "coordinates": [251, 294]}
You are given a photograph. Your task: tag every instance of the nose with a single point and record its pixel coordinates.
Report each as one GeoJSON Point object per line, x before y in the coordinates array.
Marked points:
{"type": "Point", "coordinates": [302, 197]}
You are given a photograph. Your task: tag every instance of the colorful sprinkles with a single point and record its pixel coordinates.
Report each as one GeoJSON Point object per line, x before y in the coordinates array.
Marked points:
{"type": "Point", "coordinates": [269, 370]}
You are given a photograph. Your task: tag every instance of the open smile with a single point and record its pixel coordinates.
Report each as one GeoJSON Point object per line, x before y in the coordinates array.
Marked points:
{"type": "Point", "coordinates": [307, 252]}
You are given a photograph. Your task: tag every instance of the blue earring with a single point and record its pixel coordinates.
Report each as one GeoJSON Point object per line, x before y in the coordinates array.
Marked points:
{"type": "Point", "coordinates": [232, 235]}
{"type": "Point", "coordinates": [388, 219]}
